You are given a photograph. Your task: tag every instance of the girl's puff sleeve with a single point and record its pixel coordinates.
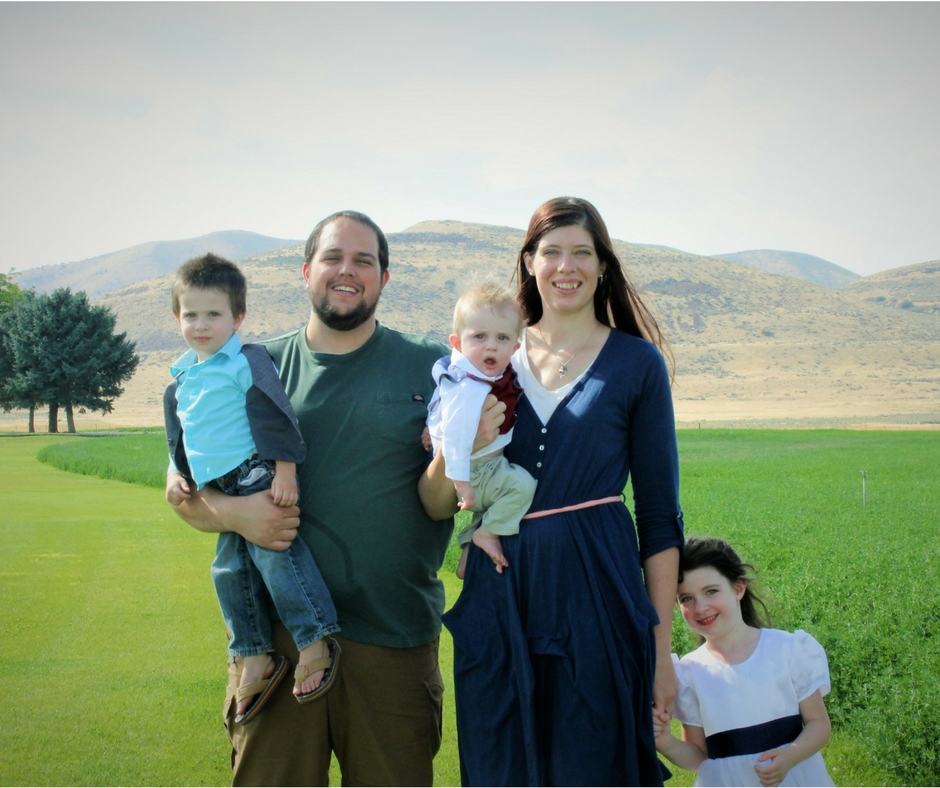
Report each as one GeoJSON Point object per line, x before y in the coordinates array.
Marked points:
{"type": "Point", "coordinates": [809, 667]}
{"type": "Point", "coordinates": [687, 709]}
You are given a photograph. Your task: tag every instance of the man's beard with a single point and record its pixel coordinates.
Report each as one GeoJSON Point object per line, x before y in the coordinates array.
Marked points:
{"type": "Point", "coordinates": [343, 321]}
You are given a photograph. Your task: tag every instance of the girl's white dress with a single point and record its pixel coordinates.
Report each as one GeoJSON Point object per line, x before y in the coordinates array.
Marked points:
{"type": "Point", "coordinates": [783, 670]}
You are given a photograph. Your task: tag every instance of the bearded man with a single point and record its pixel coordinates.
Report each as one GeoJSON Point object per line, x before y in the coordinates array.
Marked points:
{"type": "Point", "coordinates": [376, 514]}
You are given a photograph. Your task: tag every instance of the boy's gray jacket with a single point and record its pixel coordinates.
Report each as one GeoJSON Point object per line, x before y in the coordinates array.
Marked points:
{"type": "Point", "coordinates": [274, 426]}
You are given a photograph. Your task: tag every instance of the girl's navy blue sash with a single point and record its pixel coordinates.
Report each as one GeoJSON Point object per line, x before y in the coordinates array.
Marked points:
{"type": "Point", "coordinates": [754, 738]}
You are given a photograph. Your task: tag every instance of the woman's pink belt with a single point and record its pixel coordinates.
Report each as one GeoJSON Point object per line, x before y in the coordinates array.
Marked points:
{"type": "Point", "coordinates": [574, 507]}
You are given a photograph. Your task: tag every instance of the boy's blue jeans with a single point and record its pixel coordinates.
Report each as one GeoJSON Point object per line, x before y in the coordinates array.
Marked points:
{"type": "Point", "coordinates": [247, 577]}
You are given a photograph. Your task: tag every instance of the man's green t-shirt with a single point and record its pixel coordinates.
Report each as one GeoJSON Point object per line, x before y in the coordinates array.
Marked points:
{"type": "Point", "coordinates": [361, 415]}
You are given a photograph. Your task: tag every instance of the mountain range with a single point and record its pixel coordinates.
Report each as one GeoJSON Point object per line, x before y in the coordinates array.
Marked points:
{"type": "Point", "coordinates": [795, 264]}
{"type": "Point", "coordinates": [749, 346]}
{"type": "Point", "coordinates": [109, 272]}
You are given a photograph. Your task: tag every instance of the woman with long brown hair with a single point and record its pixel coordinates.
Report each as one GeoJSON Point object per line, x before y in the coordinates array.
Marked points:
{"type": "Point", "coordinates": [560, 660]}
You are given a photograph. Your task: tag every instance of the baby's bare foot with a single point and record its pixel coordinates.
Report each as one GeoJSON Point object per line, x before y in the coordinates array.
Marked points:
{"type": "Point", "coordinates": [490, 544]}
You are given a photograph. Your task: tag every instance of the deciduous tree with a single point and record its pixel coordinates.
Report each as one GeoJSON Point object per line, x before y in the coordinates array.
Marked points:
{"type": "Point", "coordinates": [10, 293]}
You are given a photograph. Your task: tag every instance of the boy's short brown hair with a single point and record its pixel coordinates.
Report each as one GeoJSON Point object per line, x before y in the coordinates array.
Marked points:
{"type": "Point", "coordinates": [211, 272]}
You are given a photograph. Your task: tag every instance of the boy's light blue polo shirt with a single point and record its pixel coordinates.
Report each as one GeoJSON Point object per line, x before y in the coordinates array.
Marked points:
{"type": "Point", "coordinates": [210, 403]}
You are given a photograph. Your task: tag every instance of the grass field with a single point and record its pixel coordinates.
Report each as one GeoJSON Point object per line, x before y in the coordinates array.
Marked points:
{"type": "Point", "coordinates": [112, 656]}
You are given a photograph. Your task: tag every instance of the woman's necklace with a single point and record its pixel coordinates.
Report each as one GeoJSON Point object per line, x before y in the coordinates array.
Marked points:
{"type": "Point", "coordinates": [562, 370]}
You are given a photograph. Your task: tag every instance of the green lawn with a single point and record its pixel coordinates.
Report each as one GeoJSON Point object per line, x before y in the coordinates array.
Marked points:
{"type": "Point", "coordinates": [112, 655]}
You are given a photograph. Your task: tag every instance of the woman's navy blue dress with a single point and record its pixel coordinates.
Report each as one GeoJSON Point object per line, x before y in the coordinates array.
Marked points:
{"type": "Point", "coordinates": [554, 659]}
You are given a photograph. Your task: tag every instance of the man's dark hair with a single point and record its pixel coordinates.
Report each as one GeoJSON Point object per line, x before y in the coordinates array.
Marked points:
{"type": "Point", "coordinates": [314, 240]}
{"type": "Point", "coordinates": [211, 272]}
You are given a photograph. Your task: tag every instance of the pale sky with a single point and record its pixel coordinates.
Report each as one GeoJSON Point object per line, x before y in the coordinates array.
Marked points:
{"type": "Point", "coordinates": [710, 127]}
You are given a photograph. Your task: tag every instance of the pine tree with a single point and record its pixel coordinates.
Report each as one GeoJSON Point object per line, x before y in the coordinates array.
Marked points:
{"type": "Point", "coordinates": [16, 391]}
{"type": "Point", "coordinates": [64, 352]}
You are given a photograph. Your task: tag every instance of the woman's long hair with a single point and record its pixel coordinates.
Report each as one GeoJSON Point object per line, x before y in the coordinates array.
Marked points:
{"type": "Point", "coordinates": [616, 302]}
{"type": "Point", "coordinates": [709, 551]}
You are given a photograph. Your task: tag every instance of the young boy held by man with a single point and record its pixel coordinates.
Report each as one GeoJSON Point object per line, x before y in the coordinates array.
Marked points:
{"type": "Point", "coordinates": [229, 425]}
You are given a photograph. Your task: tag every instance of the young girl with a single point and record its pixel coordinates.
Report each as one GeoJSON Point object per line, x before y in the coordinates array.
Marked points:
{"type": "Point", "coordinates": [750, 697]}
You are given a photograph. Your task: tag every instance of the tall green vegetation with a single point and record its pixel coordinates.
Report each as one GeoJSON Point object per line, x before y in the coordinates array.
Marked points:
{"type": "Point", "coordinates": [863, 577]}
{"type": "Point", "coordinates": [59, 350]}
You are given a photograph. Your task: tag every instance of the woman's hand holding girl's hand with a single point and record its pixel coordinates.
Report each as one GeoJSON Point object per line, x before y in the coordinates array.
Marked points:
{"type": "Point", "coordinates": [772, 766]}
{"type": "Point", "coordinates": [665, 685]}
{"type": "Point", "coordinates": [661, 730]}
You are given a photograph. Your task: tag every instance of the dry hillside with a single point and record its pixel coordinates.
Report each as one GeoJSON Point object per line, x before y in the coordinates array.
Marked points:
{"type": "Point", "coordinates": [749, 346]}
{"type": "Point", "coordinates": [794, 264]}
{"type": "Point", "coordinates": [914, 288]}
